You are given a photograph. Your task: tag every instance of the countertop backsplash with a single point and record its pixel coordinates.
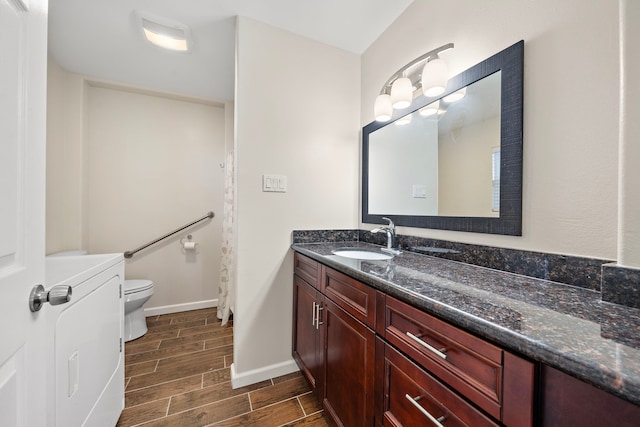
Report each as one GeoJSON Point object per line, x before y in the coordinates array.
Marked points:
{"type": "Point", "coordinates": [617, 284]}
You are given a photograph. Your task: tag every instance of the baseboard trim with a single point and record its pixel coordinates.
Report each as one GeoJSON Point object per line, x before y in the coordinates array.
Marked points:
{"type": "Point", "coordinates": [175, 308]}
{"type": "Point", "coordinates": [261, 374]}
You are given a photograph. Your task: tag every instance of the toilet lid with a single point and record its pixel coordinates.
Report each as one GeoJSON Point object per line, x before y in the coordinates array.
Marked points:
{"type": "Point", "coordinates": [131, 286]}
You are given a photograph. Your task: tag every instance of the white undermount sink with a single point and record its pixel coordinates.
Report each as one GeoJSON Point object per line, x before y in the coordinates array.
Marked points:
{"type": "Point", "coordinates": [361, 254]}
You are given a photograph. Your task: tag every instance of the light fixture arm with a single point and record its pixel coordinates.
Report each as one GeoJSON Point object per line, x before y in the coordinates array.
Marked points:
{"type": "Point", "coordinates": [402, 72]}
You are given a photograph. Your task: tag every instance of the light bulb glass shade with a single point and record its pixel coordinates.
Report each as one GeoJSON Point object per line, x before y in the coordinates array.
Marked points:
{"type": "Point", "coordinates": [434, 77]}
{"type": "Point", "coordinates": [382, 108]}
{"type": "Point", "coordinates": [430, 109]}
{"type": "Point", "coordinates": [455, 96]}
{"type": "Point", "coordinates": [402, 121]}
{"type": "Point", "coordinates": [401, 93]}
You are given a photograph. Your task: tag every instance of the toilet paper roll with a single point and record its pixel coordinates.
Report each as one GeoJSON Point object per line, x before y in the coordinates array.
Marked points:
{"type": "Point", "coordinates": [189, 246]}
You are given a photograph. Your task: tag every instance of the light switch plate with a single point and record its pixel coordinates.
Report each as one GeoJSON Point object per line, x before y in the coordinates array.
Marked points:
{"type": "Point", "coordinates": [274, 183]}
{"type": "Point", "coordinates": [419, 191]}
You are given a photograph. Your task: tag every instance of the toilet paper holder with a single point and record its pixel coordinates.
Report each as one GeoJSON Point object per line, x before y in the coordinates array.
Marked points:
{"type": "Point", "coordinates": [188, 245]}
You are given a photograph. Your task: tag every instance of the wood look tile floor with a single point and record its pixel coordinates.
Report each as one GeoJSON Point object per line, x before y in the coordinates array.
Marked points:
{"type": "Point", "coordinates": [178, 375]}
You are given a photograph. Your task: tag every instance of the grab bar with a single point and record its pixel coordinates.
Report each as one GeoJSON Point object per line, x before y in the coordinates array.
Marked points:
{"type": "Point", "coordinates": [129, 254]}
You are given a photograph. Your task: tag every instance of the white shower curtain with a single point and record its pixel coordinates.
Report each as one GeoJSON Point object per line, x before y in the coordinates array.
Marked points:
{"type": "Point", "coordinates": [227, 275]}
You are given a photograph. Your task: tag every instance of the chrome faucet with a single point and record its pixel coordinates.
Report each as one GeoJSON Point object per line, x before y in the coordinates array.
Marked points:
{"type": "Point", "coordinates": [391, 236]}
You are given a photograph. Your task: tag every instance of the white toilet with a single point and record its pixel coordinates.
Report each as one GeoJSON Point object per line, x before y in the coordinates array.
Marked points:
{"type": "Point", "coordinates": [136, 294]}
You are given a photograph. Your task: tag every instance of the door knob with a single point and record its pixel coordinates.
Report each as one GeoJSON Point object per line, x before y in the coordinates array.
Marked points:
{"type": "Point", "coordinates": [56, 296]}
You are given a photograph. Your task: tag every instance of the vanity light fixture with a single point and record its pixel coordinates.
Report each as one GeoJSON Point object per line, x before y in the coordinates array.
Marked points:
{"type": "Point", "coordinates": [402, 121]}
{"type": "Point", "coordinates": [430, 109]}
{"type": "Point", "coordinates": [401, 93]}
{"type": "Point", "coordinates": [165, 33]}
{"type": "Point", "coordinates": [397, 92]}
{"type": "Point", "coordinates": [455, 96]}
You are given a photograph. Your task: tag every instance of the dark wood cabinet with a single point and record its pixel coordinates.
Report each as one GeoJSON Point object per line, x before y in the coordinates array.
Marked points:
{"type": "Point", "coordinates": [418, 364]}
{"type": "Point", "coordinates": [349, 352]}
{"type": "Point", "coordinates": [567, 401]}
{"type": "Point", "coordinates": [414, 397]}
{"type": "Point", "coordinates": [307, 350]}
{"type": "Point", "coordinates": [498, 382]}
{"type": "Point", "coordinates": [332, 346]}
{"type": "Point", "coordinates": [354, 297]}
{"type": "Point", "coordinates": [374, 360]}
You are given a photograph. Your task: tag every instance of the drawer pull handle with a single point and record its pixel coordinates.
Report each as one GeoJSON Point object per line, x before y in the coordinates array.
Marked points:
{"type": "Point", "coordinates": [414, 401]}
{"type": "Point", "coordinates": [440, 353]}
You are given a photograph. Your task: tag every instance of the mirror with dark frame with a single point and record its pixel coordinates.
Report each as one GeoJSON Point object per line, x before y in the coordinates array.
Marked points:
{"type": "Point", "coordinates": [454, 165]}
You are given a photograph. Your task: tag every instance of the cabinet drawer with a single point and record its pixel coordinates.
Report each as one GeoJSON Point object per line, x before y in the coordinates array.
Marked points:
{"type": "Point", "coordinates": [307, 268]}
{"type": "Point", "coordinates": [411, 393]}
{"type": "Point", "coordinates": [466, 363]}
{"type": "Point", "coordinates": [356, 298]}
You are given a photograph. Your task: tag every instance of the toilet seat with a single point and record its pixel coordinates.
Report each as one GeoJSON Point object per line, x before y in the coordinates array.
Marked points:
{"type": "Point", "coordinates": [133, 286]}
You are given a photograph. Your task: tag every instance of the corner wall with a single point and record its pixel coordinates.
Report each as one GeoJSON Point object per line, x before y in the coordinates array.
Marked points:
{"type": "Point", "coordinates": [65, 124]}
{"type": "Point", "coordinates": [570, 108]}
{"type": "Point", "coordinates": [296, 114]}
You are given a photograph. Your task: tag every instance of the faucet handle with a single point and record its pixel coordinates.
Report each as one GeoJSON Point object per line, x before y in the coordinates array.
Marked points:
{"type": "Point", "coordinates": [391, 224]}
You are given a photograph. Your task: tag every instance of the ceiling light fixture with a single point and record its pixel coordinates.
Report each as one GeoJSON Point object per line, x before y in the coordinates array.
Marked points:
{"type": "Point", "coordinates": [165, 33]}
{"type": "Point", "coordinates": [397, 92]}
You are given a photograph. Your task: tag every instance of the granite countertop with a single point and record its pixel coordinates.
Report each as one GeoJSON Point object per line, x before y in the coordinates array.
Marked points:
{"type": "Point", "coordinates": [566, 327]}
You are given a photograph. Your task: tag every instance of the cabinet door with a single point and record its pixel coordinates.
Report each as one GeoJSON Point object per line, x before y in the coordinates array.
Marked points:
{"type": "Point", "coordinates": [306, 343]}
{"type": "Point", "coordinates": [348, 367]}
{"type": "Point", "coordinates": [567, 401]}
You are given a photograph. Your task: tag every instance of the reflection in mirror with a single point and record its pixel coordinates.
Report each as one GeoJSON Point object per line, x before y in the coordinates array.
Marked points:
{"type": "Point", "coordinates": [452, 164]}
{"type": "Point", "coordinates": [442, 159]}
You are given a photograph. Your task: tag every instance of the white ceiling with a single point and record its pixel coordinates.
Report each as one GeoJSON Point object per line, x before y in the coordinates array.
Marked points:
{"type": "Point", "coordinates": [100, 39]}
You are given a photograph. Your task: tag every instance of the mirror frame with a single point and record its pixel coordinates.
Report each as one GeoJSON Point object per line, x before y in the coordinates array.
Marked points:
{"type": "Point", "coordinates": [511, 62]}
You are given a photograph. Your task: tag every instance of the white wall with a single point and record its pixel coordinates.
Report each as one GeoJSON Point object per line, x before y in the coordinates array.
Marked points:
{"type": "Point", "coordinates": [138, 166]}
{"type": "Point", "coordinates": [297, 115]}
{"type": "Point", "coordinates": [401, 157]}
{"type": "Point", "coordinates": [465, 158]}
{"type": "Point", "coordinates": [570, 107]}
{"type": "Point", "coordinates": [64, 159]}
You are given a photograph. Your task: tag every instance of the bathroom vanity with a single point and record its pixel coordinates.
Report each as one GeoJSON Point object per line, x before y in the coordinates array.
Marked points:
{"type": "Point", "coordinates": [417, 340]}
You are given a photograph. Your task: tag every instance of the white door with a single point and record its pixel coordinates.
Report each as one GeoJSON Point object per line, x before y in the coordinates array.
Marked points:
{"type": "Point", "coordinates": [23, 346]}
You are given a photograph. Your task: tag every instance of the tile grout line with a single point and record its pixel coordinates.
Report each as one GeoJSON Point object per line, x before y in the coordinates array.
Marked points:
{"type": "Point", "coordinates": [166, 413]}
{"type": "Point", "coordinates": [179, 354]}
{"type": "Point", "coordinates": [301, 407]}
{"type": "Point", "coordinates": [226, 359]}
{"type": "Point", "coordinates": [163, 383]}
{"type": "Point", "coordinates": [214, 402]}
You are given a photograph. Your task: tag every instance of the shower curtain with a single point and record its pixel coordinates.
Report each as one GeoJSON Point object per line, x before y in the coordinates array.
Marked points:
{"type": "Point", "coordinates": [227, 276]}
